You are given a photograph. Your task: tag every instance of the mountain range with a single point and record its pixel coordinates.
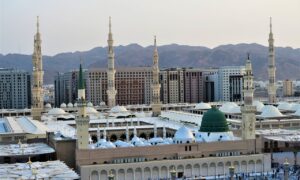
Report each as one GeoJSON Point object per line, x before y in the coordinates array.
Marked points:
{"type": "Point", "coordinates": [173, 55]}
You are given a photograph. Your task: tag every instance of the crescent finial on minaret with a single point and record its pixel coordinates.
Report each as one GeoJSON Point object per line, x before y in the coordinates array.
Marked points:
{"type": "Point", "coordinates": [37, 24]}
{"type": "Point", "coordinates": [270, 24]}
{"type": "Point", "coordinates": [109, 24]}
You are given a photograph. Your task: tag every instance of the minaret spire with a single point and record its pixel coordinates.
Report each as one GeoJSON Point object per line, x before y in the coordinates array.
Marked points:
{"type": "Point", "coordinates": [271, 68]}
{"type": "Point", "coordinates": [248, 110]}
{"type": "Point", "coordinates": [156, 104]}
{"type": "Point", "coordinates": [111, 90]}
{"type": "Point", "coordinates": [82, 120]}
{"type": "Point", "coordinates": [38, 73]}
{"type": "Point", "coordinates": [37, 24]}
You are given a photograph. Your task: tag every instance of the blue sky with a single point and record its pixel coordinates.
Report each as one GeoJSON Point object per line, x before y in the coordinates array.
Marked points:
{"type": "Point", "coordinates": [71, 25]}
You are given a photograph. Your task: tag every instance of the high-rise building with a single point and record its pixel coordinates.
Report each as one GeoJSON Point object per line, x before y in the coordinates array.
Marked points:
{"type": "Point", "coordinates": [111, 90]}
{"type": "Point", "coordinates": [193, 85]}
{"type": "Point", "coordinates": [172, 85]}
{"type": "Point", "coordinates": [66, 87]}
{"type": "Point", "coordinates": [38, 73]}
{"type": "Point", "coordinates": [224, 75]}
{"type": "Point", "coordinates": [155, 86]}
{"type": "Point", "coordinates": [15, 89]}
{"type": "Point", "coordinates": [271, 68]}
{"type": "Point", "coordinates": [235, 88]}
{"type": "Point", "coordinates": [288, 89]}
{"type": "Point", "coordinates": [248, 110]}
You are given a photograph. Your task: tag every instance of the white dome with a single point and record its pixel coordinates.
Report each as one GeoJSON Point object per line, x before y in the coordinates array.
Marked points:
{"type": "Point", "coordinates": [213, 137]}
{"type": "Point", "coordinates": [184, 135]}
{"type": "Point", "coordinates": [48, 105]}
{"type": "Point", "coordinates": [297, 113]}
{"type": "Point", "coordinates": [63, 105]}
{"type": "Point", "coordinates": [202, 105]}
{"type": "Point", "coordinates": [75, 105]}
{"type": "Point", "coordinates": [259, 105]}
{"type": "Point", "coordinates": [108, 144]}
{"type": "Point", "coordinates": [102, 103]}
{"type": "Point", "coordinates": [270, 111]}
{"type": "Point", "coordinates": [229, 107]}
{"type": "Point", "coordinates": [91, 110]}
{"type": "Point", "coordinates": [118, 109]}
{"type": "Point", "coordinates": [70, 105]}
{"type": "Point", "coordinates": [295, 107]}
{"type": "Point", "coordinates": [284, 106]}
{"type": "Point", "coordinates": [89, 104]}
{"type": "Point", "coordinates": [56, 111]}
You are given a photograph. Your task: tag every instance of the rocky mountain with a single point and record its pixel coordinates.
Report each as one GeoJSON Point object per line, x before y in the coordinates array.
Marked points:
{"type": "Point", "coordinates": [173, 55]}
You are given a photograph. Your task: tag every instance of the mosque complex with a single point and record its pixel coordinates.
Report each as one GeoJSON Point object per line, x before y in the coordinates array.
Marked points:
{"type": "Point", "coordinates": [155, 141]}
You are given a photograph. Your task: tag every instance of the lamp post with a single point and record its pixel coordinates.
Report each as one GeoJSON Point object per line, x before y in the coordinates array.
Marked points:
{"type": "Point", "coordinates": [231, 172]}
{"type": "Point", "coordinates": [111, 176]}
{"type": "Point", "coordinates": [286, 165]}
{"type": "Point", "coordinates": [173, 173]}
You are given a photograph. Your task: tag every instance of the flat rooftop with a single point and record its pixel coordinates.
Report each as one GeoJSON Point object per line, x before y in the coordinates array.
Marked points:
{"type": "Point", "coordinates": [25, 149]}
{"type": "Point", "coordinates": [55, 170]}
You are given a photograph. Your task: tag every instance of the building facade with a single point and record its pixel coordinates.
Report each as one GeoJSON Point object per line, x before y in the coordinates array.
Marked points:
{"type": "Point", "coordinates": [288, 88]}
{"type": "Point", "coordinates": [15, 89]}
{"type": "Point", "coordinates": [226, 73]}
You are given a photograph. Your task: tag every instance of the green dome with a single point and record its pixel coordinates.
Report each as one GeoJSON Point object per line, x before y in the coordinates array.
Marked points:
{"type": "Point", "coordinates": [214, 121]}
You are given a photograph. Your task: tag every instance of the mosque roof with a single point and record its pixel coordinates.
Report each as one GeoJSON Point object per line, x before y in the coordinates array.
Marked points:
{"type": "Point", "coordinates": [270, 111]}
{"type": "Point", "coordinates": [184, 133]}
{"type": "Point", "coordinates": [56, 111]}
{"type": "Point", "coordinates": [214, 121]}
{"type": "Point", "coordinates": [118, 109]}
{"type": "Point", "coordinates": [284, 106]}
{"type": "Point", "coordinates": [230, 107]}
{"type": "Point", "coordinates": [259, 105]}
{"type": "Point", "coordinates": [202, 105]}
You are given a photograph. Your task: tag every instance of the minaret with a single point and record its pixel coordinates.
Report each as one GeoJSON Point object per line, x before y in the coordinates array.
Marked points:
{"type": "Point", "coordinates": [111, 90]}
{"type": "Point", "coordinates": [248, 110]}
{"type": "Point", "coordinates": [271, 68]}
{"type": "Point", "coordinates": [38, 73]}
{"type": "Point", "coordinates": [156, 104]}
{"type": "Point", "coordinates": [82, 120]}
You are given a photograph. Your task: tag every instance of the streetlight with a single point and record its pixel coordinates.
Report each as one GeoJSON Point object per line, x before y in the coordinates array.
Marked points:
{"type": "Point", "coordinates": [231, 172]}
{"type": "Point", "coordinates": [173, 173]}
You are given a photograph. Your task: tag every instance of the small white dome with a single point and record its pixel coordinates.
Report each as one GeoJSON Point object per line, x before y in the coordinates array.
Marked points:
{"type": "Point", "coordinates": [184, 135]}
{"type": "Point", "coordinates": [259, 105]}
{"type": "Point", "coordinates": [48, 105]}
{"type": "Point", "coordinates": [70, 105]}
{"type": "Point", "coordinates": [284, 106]}
{"type": "Point", "coordinates": [102, 103]}
{"type": "Point", "coordinates": [89, 104]}
{"type": "Point", "coordinates": [56, 112]}
{"type": "Point", "coordinates": [118, 109]}
{"type": "Point", "coordinates": [229, 107]}
{"type": "Point", "coordinates": [75, 105]}
{"type": "Point", "coordinates": [63, 105]}
{"type": "Point", "coordinates": [295, 107]}
{"type": "Point", "coordinates": [91, 110]}
{"type": "Point", "coordinates": [108, 144]}
{"type": "Point", "coordinates": [270, 111]}
{"type": "Point", "coordinates": [202, 105]}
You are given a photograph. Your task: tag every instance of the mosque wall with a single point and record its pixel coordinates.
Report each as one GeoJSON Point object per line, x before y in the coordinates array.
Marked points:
{"type": "Point", "coordinates": [211, 166]}
{"type": "Point", "coordinates": [174, 151]}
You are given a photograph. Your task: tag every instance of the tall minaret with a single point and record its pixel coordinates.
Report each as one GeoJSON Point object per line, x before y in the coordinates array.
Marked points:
{"type": "Point", "coordinates": [156, 104]}
{"type": "Point", "coordinates": [111, 90]}
{"type": "Point", "coordinates": [82, 120]}
{"type": "Point", "coordinates": [38, 73]}
{"type": "Point", "coordinates": [272, 68]}
{"type": "Point", "coordinates": [248, 110]}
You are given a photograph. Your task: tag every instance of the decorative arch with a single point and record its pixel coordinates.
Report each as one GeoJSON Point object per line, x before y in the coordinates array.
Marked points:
{"type": "Point", "coordinates": [220, 168]}
{"type": "Point", "coordinates": [236, 165]}
{"type": "Point", "coordinates": [204, 169]}
{"type": "Point", "coordinates": [103, 174]}
{"type": "Point", "coordinates": [155, 172]}
{"type": "Point", "coordinates": [164, 172]}
{"type": "Point", "coordinates": [147, 173]}
{"type": "Point", "coordinates": [188, 170]}
{"type": "Point", "coordinates": [196, 170]}
{"type": "Point", "coordinates": [251, 166]}
{"type": "Point", "coordinates": [94, 175]}
{"type": "Point", "coordinates": [129, 174]}
{"type": "Point", "coordinates": [121, 174]}
{"type": "Point", "coordinates": [212, 169]}
{"type": "Point", "coordinates": [259, 166]}
{"type": "Point", "coordinates": [138, 174]}
{"type": "Point", "coordinates": [244, 167]}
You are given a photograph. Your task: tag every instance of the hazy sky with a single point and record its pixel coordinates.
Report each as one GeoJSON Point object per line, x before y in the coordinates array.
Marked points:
{"type": "Point", "coordinates": [71, 25]}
